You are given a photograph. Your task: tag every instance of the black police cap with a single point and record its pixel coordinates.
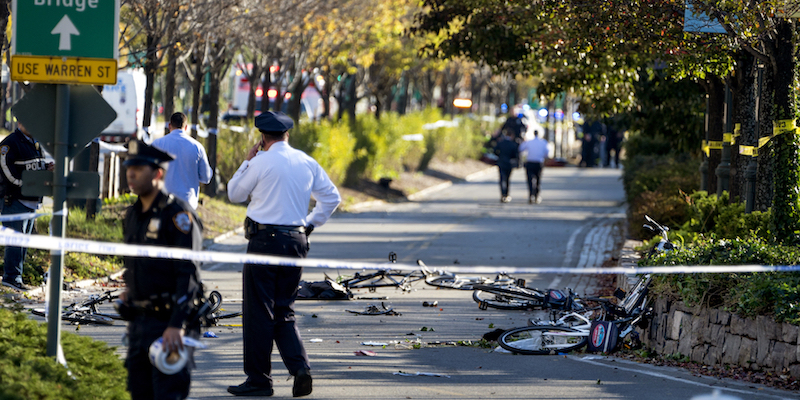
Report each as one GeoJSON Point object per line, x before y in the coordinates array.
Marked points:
{"type": "Point", "coordinates": [269, 121]}
{"type": "Point", "coordinates": [139, 153]}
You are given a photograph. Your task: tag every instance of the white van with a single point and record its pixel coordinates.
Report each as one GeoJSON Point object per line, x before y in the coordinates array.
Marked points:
{"type": "Point", "coordinates": [128, 101]}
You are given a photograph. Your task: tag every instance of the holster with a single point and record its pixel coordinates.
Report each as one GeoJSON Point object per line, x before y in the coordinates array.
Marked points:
{"type": "Point", "coordinates": [250, 228]}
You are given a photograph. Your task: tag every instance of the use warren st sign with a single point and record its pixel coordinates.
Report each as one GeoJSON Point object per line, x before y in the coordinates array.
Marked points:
{"type": "Point", "coordinates": [65, 41]}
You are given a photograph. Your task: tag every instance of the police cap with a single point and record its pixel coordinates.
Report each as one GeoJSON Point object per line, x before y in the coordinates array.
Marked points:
{"type": "Point", "coordinates": [139, 153]}
{"type": "Point", "coordinates": [269, 121]}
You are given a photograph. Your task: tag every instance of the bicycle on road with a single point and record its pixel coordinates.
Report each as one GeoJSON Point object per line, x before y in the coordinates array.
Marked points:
{"type": "Point", "coordinates": [449, 280]}
{"type": "Point", "coordinates": [87, 311]}
{"type": "Point", "coordinates": [382, 278]}
{"type": "Point", "coordinates": [574, 330]}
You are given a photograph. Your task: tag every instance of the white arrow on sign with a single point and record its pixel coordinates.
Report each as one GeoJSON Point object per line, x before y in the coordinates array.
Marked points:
{"type": "Point", "coordinates": [65, 28]}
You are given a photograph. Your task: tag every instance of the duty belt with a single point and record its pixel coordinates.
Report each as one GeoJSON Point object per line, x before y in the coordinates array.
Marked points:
{"type": "Point", "coordinates": [280, 228]}
{"type": "Point", "coordinates": [251, 228]}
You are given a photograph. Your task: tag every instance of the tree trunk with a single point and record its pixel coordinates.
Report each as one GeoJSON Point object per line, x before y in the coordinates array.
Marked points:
{"type": "Point", "coordinates": [402, 95]}
{"type": "Point", "coordinates": [150, 68]}
{"type": "Point", "coordinates": [764, 176]}
{"type": "Point", "coordinates": [716, 126]}
{"type": "Point", "coordinates": [197, 85]}
{"type": "Point", "coordinates": [169, 84]}
{"type": "Point", "coordinates": [744, 107]}
{"type": "Point", "coordinates": [217, 70]}
{"type": "Point", "coordinates": [785, 222]}
{"type": "Point", "coordinates": [254, 80]}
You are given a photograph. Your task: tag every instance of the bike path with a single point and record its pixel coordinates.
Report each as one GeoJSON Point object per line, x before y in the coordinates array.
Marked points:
{"type": "Point", "coordinates": [333, 336]}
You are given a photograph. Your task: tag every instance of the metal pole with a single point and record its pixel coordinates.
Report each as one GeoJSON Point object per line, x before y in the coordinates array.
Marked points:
{"type": "Point", "coordinates": [58, 224]}
{"type": "Point", "coordinates": [723, 170]}
{"type": "Point", "coordinates": [752, 166]}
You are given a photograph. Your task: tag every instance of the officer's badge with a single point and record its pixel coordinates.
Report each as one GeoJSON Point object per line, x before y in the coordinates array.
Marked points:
{"type": "Point", "coordinates": [183, 221]}
{"type": "Point", "coordinates": [4, 150]}
{"type": "Point", "coordinates": [153, 227]}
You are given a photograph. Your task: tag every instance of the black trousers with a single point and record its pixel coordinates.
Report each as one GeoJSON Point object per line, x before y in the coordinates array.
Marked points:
{"type": "Point", "coordinates": [269, 294]}
{"type": "Point", "coordinates": [533, 170]}
{"type": "Point", "coordinates": [505, 175]}
{"type": "Point", "coordinates": [144, 380]}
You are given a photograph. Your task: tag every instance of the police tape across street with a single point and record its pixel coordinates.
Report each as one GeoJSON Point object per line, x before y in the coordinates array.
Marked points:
{"type": "Point", "coordinates": [9, 237]}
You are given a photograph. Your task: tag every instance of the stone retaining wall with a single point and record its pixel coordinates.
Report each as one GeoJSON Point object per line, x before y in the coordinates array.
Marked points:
{"type": "Point", "coordinates": [717, 337]}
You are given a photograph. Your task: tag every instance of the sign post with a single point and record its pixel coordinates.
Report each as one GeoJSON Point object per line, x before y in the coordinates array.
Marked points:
{"type": "Point", "coordinates": [63, 42]}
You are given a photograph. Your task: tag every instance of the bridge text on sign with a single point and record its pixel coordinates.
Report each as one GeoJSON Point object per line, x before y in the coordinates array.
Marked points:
{"type": "Point", "coordinates": [79, 5]}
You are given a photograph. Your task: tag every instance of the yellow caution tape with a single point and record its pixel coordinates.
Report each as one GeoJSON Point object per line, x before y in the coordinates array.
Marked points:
{"type": "Point", "coordinates": [783, 126]}
{"type": "Point", "coordinates": [751, 151]}
{"type": "Point", "coordinates": [727, 138]}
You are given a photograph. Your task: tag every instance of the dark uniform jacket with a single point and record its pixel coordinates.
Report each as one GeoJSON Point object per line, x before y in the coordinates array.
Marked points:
{"type": "Point", "coordinates": [170, 222]}
{"type": "Point", "coordinates": [507, 151]}
{"type": "Point", "coordinates": [19, 153]}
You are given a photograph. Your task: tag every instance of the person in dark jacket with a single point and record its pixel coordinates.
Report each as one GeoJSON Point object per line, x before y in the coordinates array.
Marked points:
{"type": "Point", "coordinates": [19, 152]}
{"type": "Point", "coordinates": [508, 159]}
{"type": "Point", "coordinates": [161, 293]}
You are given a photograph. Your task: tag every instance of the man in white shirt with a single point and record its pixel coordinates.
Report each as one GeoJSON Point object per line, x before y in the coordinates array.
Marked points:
{"type": "Point", "coordinates": [190, 168]}
{"type": "Point", "coordinates": [536, 150]}
{"type": "Point", "coordinates": [280, 181]}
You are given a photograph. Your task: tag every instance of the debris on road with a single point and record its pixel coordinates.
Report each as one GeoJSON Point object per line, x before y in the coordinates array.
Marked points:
{"type": "Point", "coordinates": [367, 353]}
{"type": "Point", "coordinates": [401, 373]}
{"type": "Point", "coordinates": [374, 344]}
{"type": "Point", "coordinates": [374, 310]}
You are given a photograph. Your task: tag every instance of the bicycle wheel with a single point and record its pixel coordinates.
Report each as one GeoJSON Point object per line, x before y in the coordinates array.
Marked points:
{"type": "Point", "coordinates": [79, 318]}
{"type": "Point", "coordinates": [503, 301]}
{"type": "Point", "coordinates": [82, 319]}
{"type": "Point", "coordinates": [542, 340]}
{"type": "Point", "coordinates": [215, 298]}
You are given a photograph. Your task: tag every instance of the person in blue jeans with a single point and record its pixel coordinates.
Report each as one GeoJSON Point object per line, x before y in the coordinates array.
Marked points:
{"type": "Point", "coordinates": [19, 152]}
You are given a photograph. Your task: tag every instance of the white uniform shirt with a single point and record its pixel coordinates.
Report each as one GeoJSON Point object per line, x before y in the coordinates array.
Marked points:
{"type": "Point", "coordinates": [536, 149]}
{"type": "Point", "coordinates": [280, 183]}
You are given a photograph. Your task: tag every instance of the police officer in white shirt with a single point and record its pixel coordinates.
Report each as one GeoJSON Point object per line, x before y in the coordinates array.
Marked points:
{"type": "Point", "coordinates": [279, 181]}
{"type": "Point", "coordinates": [536, 149]}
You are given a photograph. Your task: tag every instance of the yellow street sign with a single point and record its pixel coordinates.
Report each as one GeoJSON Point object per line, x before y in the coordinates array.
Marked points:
{"type": "Point", "coordinates": [92, 71]}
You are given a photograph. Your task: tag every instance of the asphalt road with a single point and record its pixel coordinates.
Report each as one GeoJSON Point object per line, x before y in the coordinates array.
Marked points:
{"type": "Point", "coordinates": [577, 225]}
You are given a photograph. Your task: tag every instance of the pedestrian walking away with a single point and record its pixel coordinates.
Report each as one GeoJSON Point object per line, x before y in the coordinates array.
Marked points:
{"type": "Point", "coordinates": [190, 168]}
{"type": "Point", "coordinates": [536, 152]}
{"type": "Point", "coordinates": [280, 182]}
{"type": "Point", "coordinates": [507, 159]}
{"type": "Point", "coordinates": [19, 152]}
{"type": "Point", "coordinates": [161, 294]}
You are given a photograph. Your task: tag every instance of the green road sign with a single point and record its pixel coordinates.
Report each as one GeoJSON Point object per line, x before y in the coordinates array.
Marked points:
{"type": "Point", "coordinates": [66, 28]}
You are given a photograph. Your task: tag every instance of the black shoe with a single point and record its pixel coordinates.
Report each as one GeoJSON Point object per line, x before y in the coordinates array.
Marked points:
{"type": "Point", "coordinates": [17, 285]}
{"type": "Point", "coordinates": [302, 383]}
{"type": "Point", "coordinates": [247, 389]}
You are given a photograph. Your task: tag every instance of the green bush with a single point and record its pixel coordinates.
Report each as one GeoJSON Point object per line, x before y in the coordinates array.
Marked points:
{"type": "Point", "coordinates": [93, 371]}
{"type": "Point", "coordinates": [369, 148]}
{"type": "Point", "coordinates": [334, 149]}
{"type": "Point", "coordinates": [717, 215]}
{"type": "Point", "coordinates": [654, 186]}
{"type": "Point", "coordinates": [232, 148]}
{"type": "Point", "coordinates": [770, 293]}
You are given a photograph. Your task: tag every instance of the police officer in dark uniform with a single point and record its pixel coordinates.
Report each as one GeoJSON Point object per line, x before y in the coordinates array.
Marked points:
{"type": "Point", "coordinates": [19, 152]}
{"type": "Point", "coordinates": [161, 294]}
{"type": "Point", "coordinates": [279, 181]}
